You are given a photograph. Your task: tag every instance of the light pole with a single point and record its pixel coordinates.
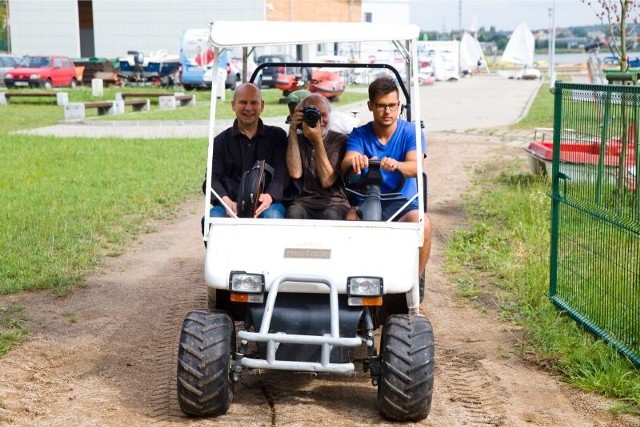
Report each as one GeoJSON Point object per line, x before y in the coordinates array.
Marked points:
{"type": "Point", "coordinates": [552, 45]}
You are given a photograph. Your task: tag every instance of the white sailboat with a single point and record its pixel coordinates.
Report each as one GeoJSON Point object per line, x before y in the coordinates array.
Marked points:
{"type": "Point", "coordinates": [520, 50]}
{"type": "Point", "coordinates": [471, 56]}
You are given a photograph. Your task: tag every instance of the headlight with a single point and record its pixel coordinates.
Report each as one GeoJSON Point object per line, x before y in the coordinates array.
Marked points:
{"type": "Point", "coordinates": [34, 76]}
{"type": "Point", "coordinates": [365, 291]}
{"type": "Point", "coordinates": [246, 287]}
{"type": "Point", "coordinates": [247, 283]}
{"type": "Point", "coordinates": [364, 286]}
{"type": "Point", "coordinates": [8, 76]}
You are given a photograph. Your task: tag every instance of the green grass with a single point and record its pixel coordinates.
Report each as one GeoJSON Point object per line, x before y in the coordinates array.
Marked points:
{"type": "Point", "coordinates": [504, 253]}
{"type": "Point", "coordinates": [540, 113]}
{"type": "Point", "coordinates": [66, 202]}
{"type": "Point", "coordinates": [12, 326]}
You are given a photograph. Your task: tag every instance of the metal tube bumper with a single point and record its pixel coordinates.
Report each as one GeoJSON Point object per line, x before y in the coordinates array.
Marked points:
{"type": "Point", "coordinates": [273, 340]}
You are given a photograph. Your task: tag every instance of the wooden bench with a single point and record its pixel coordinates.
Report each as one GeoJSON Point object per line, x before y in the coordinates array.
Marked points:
{"type": "Point", "coordinates": [166, 101]}
{"type": "Point", "coordinates": [77, 110]}
{"type": "Point", "coordinates": [138, 104]}
{"type": "Point", "coordinates": [103, 107]}
{"type": "Point", "coordinates": [62, 98]}
{"type": "Point", "coordinates": [125, 95]}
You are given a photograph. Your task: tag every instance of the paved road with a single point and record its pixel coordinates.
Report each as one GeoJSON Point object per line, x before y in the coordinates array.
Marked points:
{"type": "Point", "coordinates": [470, 103]}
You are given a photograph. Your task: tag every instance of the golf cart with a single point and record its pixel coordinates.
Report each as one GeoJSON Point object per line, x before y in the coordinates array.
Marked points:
{"type": "Point", "coordinates": [311, 295]}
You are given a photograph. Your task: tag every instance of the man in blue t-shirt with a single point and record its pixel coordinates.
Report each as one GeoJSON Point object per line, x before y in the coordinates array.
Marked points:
{"type": "Point", "coordinates": [393, 142]}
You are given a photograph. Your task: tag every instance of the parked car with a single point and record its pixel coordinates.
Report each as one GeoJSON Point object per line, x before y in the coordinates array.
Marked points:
{"type": "Point", "coordinates": [43, 71]}
{"type": "Point", "coordinates": [270, 74]}
{"type": "Point", "coordinates": [195, 76]}
{"type": "Point", "coordinates": [232, 72]}
{"type": "Point", "coordinates": [7, 62]}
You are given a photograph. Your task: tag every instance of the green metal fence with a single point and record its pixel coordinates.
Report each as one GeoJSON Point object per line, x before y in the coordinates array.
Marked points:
{"type": "Point", "coordinates": [595, 223]}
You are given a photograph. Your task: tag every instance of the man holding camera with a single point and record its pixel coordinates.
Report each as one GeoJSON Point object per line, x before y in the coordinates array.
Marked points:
{"type": "Point", "coordinates": [314, 154]}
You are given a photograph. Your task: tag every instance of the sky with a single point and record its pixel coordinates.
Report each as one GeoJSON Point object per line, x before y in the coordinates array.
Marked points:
{"type": "Point", "coordinates": [436, 15]}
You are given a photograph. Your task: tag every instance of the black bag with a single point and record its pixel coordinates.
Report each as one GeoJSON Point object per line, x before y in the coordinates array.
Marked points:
{"type": "Point", "coordinates": [252, 184]}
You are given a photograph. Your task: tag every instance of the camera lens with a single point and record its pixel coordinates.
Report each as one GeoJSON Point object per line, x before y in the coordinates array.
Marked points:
{"type": "Point", "coordinates": [311, 115]}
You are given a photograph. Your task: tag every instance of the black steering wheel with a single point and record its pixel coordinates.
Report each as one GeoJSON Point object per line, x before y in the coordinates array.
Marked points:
{"type": "Point", "coordinates": [368, 185]}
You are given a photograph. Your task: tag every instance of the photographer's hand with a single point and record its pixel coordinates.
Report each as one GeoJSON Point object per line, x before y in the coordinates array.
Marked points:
{"type": "Point", "coordinates": [314, 135]}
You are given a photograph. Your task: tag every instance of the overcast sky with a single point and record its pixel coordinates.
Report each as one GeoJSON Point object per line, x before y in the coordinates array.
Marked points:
{"type": "Point", "coordinates": [436, 15]}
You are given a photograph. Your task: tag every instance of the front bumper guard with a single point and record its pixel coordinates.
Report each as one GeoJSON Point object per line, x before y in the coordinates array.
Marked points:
{"type": "Point", "coordinates": [273, 340]}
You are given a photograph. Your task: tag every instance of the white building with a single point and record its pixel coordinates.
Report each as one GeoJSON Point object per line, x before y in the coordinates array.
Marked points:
{"type": "Point", "coordinates": [109, 28]}
{"type": "Point", "coordinates": [386, 11]}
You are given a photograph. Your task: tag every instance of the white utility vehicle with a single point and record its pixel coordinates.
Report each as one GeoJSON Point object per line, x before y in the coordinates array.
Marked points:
{"type": "Point", "coordinates": [310, 295]}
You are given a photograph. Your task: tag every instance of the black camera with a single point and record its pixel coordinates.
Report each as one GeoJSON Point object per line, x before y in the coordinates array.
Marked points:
{"type": "Point", "coordinates": [311, 115]}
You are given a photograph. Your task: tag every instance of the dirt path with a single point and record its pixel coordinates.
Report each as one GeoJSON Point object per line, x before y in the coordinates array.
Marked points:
{"type": "Point", "coordinates": [105, 355]}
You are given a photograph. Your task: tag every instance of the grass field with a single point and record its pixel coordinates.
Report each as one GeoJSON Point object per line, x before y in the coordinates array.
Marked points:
{"type": "Point", "coordinates": [503, 255]}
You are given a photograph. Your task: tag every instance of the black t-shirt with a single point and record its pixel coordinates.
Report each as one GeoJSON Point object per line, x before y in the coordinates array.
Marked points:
{"type": "Point", "coordinates": [234, 153]}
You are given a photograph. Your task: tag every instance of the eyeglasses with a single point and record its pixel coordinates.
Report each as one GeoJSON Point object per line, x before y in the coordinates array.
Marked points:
{"type": "Point", "coordinates": [391, 107]}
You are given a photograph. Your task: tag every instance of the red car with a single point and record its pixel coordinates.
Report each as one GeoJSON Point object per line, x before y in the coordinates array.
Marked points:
{"type": "Point", "coordinates": [42, 71]}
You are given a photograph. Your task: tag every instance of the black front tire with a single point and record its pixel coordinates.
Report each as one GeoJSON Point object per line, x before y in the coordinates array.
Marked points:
{"type": "Point", "coordinates": [406, 380]}
{"type": "Point", "coordinates": [207, 340]}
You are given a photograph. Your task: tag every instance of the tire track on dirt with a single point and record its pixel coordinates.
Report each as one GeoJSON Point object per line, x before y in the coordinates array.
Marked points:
{"type": "Point", "coordinates": [471, 389]}
{"type": "Point", "coordinates": [191, 295]}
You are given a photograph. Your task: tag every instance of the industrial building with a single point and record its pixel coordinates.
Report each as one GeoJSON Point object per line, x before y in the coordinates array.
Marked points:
{"type": "Point", "coordinates": [110, 28]}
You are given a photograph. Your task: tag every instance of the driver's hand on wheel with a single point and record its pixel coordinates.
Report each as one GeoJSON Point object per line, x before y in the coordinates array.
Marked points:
{"type": "Point", "coordinates": [387, 163]}
{"type": "Point", "coordinates": [359, 163]}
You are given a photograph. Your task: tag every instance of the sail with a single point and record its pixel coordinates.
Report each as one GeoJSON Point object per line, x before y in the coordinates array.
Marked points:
{"type": "Point", "coordinates": [521, 47]}
{"type": "Point", "coordinates": [471, 55]}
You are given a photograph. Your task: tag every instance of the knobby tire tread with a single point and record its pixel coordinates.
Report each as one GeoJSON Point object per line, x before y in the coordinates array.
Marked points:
{"type": "Point", "coordinates": [204, 385]}
{"type": "Point", "coordinates": [406, 382]}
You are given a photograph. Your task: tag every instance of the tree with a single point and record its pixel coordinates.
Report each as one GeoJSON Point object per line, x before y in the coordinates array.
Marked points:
{"type": "Point", "coordinates": [618, 15]}
{"type": "Point", "coordinates": [3, 25]}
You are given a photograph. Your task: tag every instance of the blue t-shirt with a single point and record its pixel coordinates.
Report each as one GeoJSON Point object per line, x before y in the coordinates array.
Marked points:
{"type": "Point", "coordinates": [364, 141]}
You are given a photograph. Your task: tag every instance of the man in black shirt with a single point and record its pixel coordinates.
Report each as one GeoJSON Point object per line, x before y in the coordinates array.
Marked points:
{"type": "Point", "coordinates": [236, 150]}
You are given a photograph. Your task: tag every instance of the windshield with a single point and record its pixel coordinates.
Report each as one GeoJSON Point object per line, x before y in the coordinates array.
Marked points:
{"type": "Point", "coordinates": [35, 62]}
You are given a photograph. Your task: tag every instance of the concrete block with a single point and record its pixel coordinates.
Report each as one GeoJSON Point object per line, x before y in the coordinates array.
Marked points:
{"type": "Point", "coordinates": [74, 111]}
{"type": "Point", "coordinates": [118, 107]}
{"type": "Point", "coordinates": [97, 87]}
{"type": "Point", "coordinates": [167, 102]}
{"type": "Point", "coordinates": [220, 80]}
{"type": "Point", "coordinates": [119, 96]}
{"type": "Point", "coordinates": [62, 98]}
{"type": "Point", "coordinates": [3, 99]}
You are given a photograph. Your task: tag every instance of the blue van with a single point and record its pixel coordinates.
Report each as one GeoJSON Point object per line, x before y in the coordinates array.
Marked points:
{"type": "Point", "coordinates": [196, 60]}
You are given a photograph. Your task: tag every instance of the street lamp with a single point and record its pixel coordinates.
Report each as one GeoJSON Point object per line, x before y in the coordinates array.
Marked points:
{"type": "Point", "coordinates": [552, 45]}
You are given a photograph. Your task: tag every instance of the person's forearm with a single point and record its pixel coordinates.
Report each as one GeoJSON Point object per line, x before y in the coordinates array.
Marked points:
{"type": "Point", "coordinates": [294, 161]}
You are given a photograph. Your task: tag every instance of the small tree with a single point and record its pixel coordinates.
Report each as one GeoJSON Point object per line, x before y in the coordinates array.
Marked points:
{"type": "Point", "coordinates": [3, 25]}
{"type": "Point", "coordinates": [621, 17]}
